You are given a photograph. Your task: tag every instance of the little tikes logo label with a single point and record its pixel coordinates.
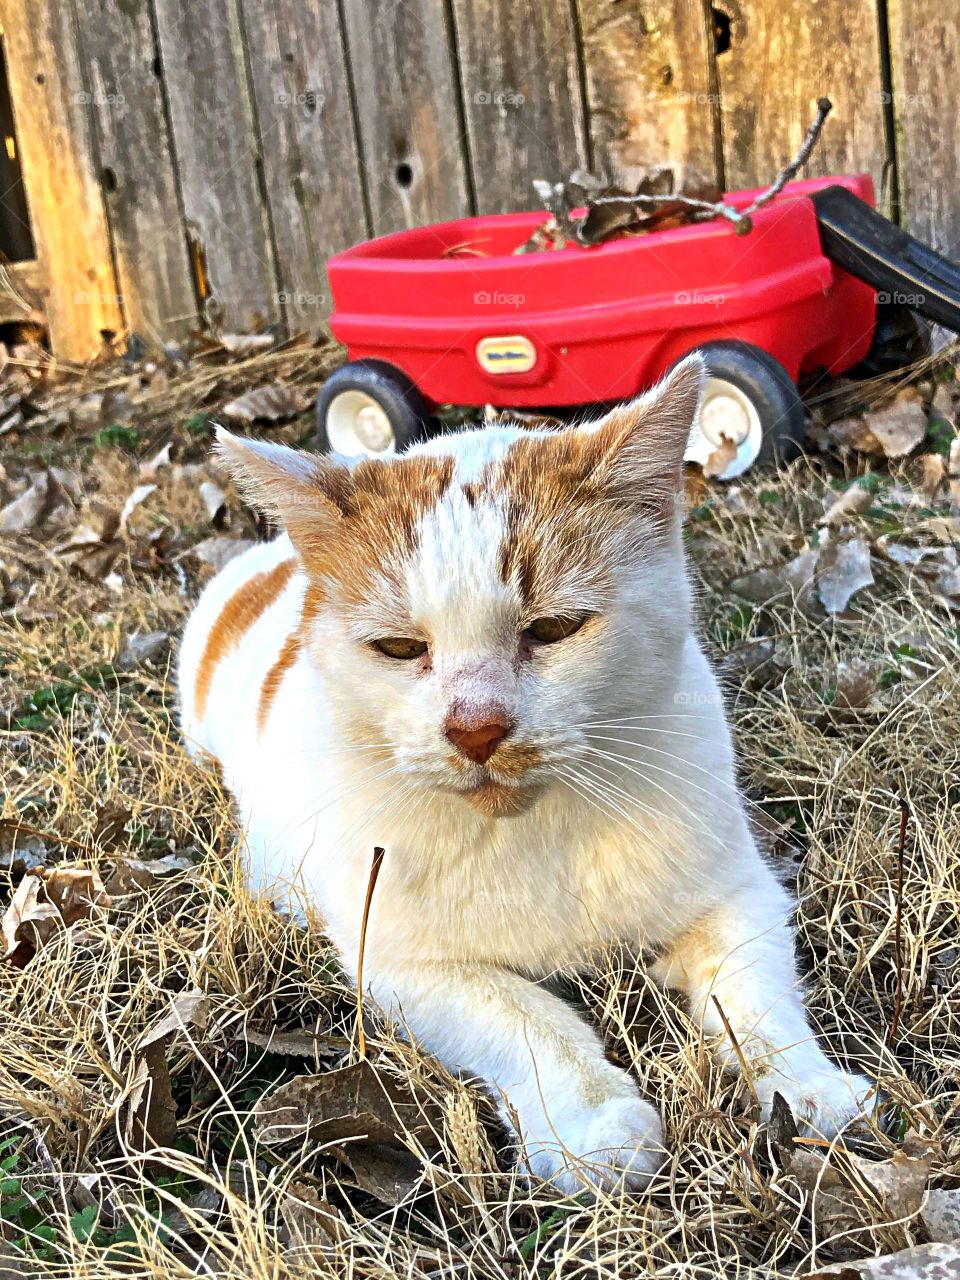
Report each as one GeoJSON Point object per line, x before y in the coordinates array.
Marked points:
{"type": "Point", "coordinates": [508, 354]}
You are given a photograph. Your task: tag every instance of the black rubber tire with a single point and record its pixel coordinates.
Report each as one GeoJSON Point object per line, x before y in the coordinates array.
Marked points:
{"type": "Point", "coordinates": [392, 390]}
{"type": "Point", "coordinates": [770, 388]}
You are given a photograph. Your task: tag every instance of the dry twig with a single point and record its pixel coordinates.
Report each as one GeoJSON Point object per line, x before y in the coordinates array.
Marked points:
{"type": "Point", "coordinates": [375, 866]}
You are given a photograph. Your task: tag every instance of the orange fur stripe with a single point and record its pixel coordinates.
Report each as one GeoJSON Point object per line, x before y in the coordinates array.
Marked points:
{"type": "Point", "coordinates": [289, 653]}
{"type": "Point", "coordinates": [236, 618]}
{"type": "Point", "coordinates": [380, 512]}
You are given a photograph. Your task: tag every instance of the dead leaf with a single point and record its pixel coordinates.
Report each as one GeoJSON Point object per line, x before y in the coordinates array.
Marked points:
{"type": "Point", "coordinates": [308, 1217]}
{"type": "Point", "coordinates": [218, 551]}
{"type": "Point", "coordinates": [110, 823]}
{"type": "Point", "coordinates": [245, 344]}
{"type": "Point", "coordinates": [940, 1214]}
{"type": "Point", "coordinates": [843, 569]}
{"type": "Point", "coordinates": [720, 459]}
{"type": "Point", "coordinates": [139, 495]}
{"type": "Point", "coordinates": [800, 573]}
{"type": "Point", "coordinates": [854, 433]}
{"type": "Point", "coordinates": [151, 1107]}
{"type": "Point", "coordinates": [750, 661]}
{"type": "Point", "coordinates": [944, 401]}
{"type": "Point", "coordinates": [852, 502]}
{"type": "Point", "coordinates": [921, 1262]}
{"type": "Point", "coordinates": [142, 648]}
{"type": "Point", "coordinates": [355, 1102]}
{"type": "Point", "coordinates": [857, 682]}
{"type": "Point", "coordinates": [903, 553]}
{"type": "Point", "coordinates": [847, 1191]}
{"type": "Point", "coordinates": [44, 902]}
{"type": "Point", "coordinates": [933, 471]}
{"type": "Point", "coordinates": [150, 468]}
{"type": "Point", "coordinates": [20, 851]}
{"type": "Point", "coordinates": [948, 583]}
{"type": "Point", "coordinates": [389, 1172]}
{"type": "Point", "coordinates": [133, 875]}
{"type": "Point", "coordinates": [760, 586]}
{"type": "Point", "coordinates": [606, 221]}
{"type": "Point", "coordinates": [901, 426]}
{"type": "Point", "coordinates": [189, 1009]}
{"type": "Point", "coordinates": [306, 1043]}
{"type": "Point", "coordinates": [944, 528]}
{"type": "Point", "coordinates": [33, 507]}
{"type": "Point", "coordinates": [275, 403]}
{"type": "Point", "coordinates": [214, 501]}
{"type": "Point", "coordinates": [28, 921]}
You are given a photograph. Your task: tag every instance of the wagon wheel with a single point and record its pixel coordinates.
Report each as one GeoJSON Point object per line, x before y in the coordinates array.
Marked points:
{"type": "Point", "coordinates": [367, 408]}
{"type": "Point", "coordinates": [749, 401]}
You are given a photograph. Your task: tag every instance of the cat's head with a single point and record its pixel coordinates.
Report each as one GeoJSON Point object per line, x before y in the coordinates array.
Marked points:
{"type": "Point", "coordinates": [478, 601]}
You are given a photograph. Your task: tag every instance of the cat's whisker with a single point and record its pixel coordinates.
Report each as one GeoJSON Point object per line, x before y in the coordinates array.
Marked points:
{"type": "Point", "coordinates": [660, 715]}
{"type": "Point", "coordinates": [672, 773]}
{"type": "Point", "coordinates": [603, 787]}
{"type": "Point", "coordinates": [685, 783]}
{"type": "Point", "coordinates": [674, 733]}
{"type": "Point", "coordinates": [597, 787]}
{"type": "Point", "coordinates": [670, 796]}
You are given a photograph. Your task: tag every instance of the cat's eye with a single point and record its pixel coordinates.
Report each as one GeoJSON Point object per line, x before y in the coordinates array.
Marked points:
{"type": "Point", "coordinates": [402, 647]}
{"type": "Point", "coordinates": [550, 630]}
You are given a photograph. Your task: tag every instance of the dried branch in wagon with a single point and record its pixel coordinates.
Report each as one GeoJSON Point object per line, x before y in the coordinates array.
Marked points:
{"type": "Point", "coordinates": [657, 203]}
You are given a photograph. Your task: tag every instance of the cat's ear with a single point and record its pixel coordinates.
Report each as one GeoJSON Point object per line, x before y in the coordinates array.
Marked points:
{"type": "Point", "coordinates": [640, 444]}
{"type": "Point", "coordinates": [306, 493]}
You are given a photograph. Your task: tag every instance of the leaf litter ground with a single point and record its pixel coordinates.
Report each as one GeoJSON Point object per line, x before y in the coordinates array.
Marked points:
{"type": "Point", "coordinates": [180, 1091]}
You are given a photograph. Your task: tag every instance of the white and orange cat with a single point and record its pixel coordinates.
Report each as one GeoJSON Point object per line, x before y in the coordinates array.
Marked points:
{"type": "Point", "coordinates": [480, 655]}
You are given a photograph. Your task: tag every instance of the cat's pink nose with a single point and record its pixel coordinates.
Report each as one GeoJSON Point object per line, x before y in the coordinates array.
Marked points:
{"type": "Point", "coordinates": [478, 740]}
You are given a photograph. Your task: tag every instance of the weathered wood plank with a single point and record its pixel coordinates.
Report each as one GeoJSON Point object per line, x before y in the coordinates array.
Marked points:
{"type": "Point", "coordinates": [63, 189]}
{"type": "Point", "coordinates": [927, 118]}
{"type": "Point", "coordinates": [310, 160]}
{"type": "Point", "coordinates": [407, 111]}
{"type": "Point", "coordinates": [783, 56]}
{"type": "Point", "coordinates": [652, 97]}
{"type": "Point", "coordinates": [522, 97]}
{"type": "Point", "coordinates": [218, 158]}
{"type": "Point", "coordinates": [125, 103]}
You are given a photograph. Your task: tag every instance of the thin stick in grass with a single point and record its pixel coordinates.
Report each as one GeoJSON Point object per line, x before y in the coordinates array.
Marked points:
{"type": "Point", "coordinates": [741, 1058]}
{"type": "Point", "coordinates": [898, 923]}
{"type": "Point", "coordinates": [375, 866]}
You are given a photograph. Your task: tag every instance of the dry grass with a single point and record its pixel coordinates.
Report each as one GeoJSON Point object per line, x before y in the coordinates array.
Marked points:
{"type": "Point", "coordinates": [827, 783]}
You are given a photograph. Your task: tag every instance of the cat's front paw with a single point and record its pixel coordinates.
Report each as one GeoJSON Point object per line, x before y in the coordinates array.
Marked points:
{"type": "Point", "coordinates": [823, 1098]}
{"type": "Point", "coordinates": [618, 1143]}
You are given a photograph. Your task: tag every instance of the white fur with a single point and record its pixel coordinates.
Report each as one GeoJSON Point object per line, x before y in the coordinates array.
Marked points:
{"type": "Point", "coordinates": [650, 848]}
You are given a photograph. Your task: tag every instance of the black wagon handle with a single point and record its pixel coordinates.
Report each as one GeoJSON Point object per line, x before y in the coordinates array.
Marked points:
{"type": "Point", "coordinates": [876, 251]}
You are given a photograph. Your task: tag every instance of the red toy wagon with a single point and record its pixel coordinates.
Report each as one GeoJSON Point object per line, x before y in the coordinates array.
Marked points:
{"type": "Point", "coordinates": [449, 314]}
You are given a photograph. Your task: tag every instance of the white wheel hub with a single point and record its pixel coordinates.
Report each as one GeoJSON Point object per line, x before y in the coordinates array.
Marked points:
{"type": "Point", "coordinates": [728, 418]}
{"type": "Point", "coordinates": [357, 426]}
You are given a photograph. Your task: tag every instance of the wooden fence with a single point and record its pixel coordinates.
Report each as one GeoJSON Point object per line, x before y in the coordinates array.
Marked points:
{"type": "Point", "coordinates": [184, 158]}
